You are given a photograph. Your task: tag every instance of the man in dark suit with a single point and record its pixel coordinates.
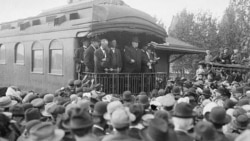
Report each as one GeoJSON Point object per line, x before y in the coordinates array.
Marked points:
{"type": "Point", "coordinates": [102, 57]}
{"type": "Point", "coordinates": [89, 55]}
{"type": "Point", "coordinates": [115, 57]}
{"type": "Point", "coordinates": [133, 57]}
{"type": "Point", "coordinates": [79, 57]}
{"type": "Point", "coordinates": [145, 60]}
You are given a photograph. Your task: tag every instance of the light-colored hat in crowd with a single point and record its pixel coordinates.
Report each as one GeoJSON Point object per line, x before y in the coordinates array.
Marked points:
{"type": "Point", "coordinates": [47, 108]}
{"type": "Point", "coordinates": [48, 98]}
{"type": "Point", "coordinates": [209, 107]}
{"type": "Point", "coordinates": [37, 103]}
{"type": "Point", "coordinates": [122, 118]}
{"type": "Point", "coordinates": [112, 106]}
{"type": "Point", "coordinates": [167, 100]}
{"type": "Point", "coordinates": [6, 102]}
{"type": "Point", "coordinates": [45, 131]}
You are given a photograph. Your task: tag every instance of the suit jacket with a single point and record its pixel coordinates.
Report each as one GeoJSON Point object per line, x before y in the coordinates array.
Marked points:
{"type": "Point", "coordinates": [79, 56]}
{"type": "Point", "coordinates": [115, 59]}
{"type": "Point", "coordinates": [135, 54]}
{"type": "Point", "coordinates": [99, 64]}
{"type": "Point", "coordinates": [89, 58]}
{"type": "Point", "coordinates": [144, 64]}
{"type": "Point", "coordinates": [182, 136]}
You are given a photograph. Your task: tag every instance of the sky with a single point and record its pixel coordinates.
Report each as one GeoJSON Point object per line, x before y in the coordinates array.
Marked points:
{"type": "Point", "coordinates": [162, 9]}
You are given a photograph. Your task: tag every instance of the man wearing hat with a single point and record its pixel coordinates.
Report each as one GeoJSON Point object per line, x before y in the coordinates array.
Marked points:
{"type": "Point", "coordinates": [219, 118]}
{"type": "Point", "coordinates": [89, 55]}
{"type": "Point", "coordinates": [226, 57]}
{"type": "Point", "coordinates": [115, 57]}
{"type": "Point", "coordinates": [79, 58]}
{"type": "Point", "coordinates": [80, 124]}
{"type": "Point", "coordinates": [132, 57]}
{"type": "Point", "coordinates": [101, 57]}
{"type": "Point", "coordinates": [183, 121]}
{"type": "Point", "coordinates": [100, 109]}
{"type": "Point", "coordinates": [120, 120]}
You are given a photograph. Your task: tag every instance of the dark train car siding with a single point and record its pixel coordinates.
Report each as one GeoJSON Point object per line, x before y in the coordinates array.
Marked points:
{"type": "Point", "coordinates": [21, 75]}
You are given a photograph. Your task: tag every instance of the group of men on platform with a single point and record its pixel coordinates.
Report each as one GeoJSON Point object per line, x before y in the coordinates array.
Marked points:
{"type": "Point", "coordinates": [101, 57]}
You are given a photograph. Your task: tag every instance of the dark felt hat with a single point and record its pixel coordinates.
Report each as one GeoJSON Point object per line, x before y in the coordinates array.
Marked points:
{"type": "Point", "coordinates": [77, 82]}
{"type": "Point", "coordinates": [79, 119]}
{"type": "Point", "coordinates": [176, 90]}
{"type": "Point", "coordinates": [17, 110]}
{"type": "Point", "coordinates": [56, 109]}
{"type": "Point", "coordinates": [158, 130]}
{"type": "Point", "coordinates": [206, 92]}
{"type": "Point", "coordinates": [143, 99]}
{"type": "Point", "coordinates": [71, 82]}
{"type": "Point", "coordinates": [229, 104]}
{"type": "Point", "coordinates": [218, 115]}
{"type": "Point", "coordinates": [31, 114]}
{"type": "Point", "coordinates": [127, 96]}
{"type": "Point", "coordinates": [183, 110]}
{"type": "Point", "coordinates": [100, 108]}
{"type": "Point", "coordinates": [27, 106]}
{"type": "Point", "coordinates": [207, 131]}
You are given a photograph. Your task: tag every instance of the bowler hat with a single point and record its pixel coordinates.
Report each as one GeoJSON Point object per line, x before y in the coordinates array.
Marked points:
{"type": "Point", "coordinates": [78, 83]}
{"type": "Point", "coordinates": [71, 82]}
{"type": "Point", "coordinates": [27, 106]}
{"type": "Point", "coordinates": [183, 110]}
{"type": "Point", "coordinates": [241, 122]}
{"type": "Point", "coordinates": [218, 115]}
{"type": "Point", "coordinates": [56, 109]}
{"type": "Point", "coordinates": [143, 99]}
{"type": "Point", "coordinates": [100, 108]}
{"type": "Point", "coordinates": [158, 130]}
{"type": "Point", "coordinates": [176, 90]}
{"type": "Point", "coordinates": [79, 119]}
{"type": "Point", "coordinates": [46, 131]}
{"type": "Point", "coordinates": [127, 96]}
{"type": "Point", "coordinates": [6, 102]}
{"type": "Point", "coordinates": [206, 92]}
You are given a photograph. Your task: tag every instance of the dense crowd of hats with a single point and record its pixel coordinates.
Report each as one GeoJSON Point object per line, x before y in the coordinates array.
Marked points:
{"type": "Point", "coordinates": [184, 111]}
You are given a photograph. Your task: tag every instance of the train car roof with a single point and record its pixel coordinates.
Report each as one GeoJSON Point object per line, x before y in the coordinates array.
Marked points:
{"type": "Point", "coordinates": [176, 46]}
{"type": "Point", "coordinates": [93, 17]}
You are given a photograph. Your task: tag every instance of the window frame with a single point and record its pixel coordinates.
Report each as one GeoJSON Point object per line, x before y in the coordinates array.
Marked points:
{"type": "Point", "coordinates": [2, 62]}
{"type": "Point", "coordinates": [33, 49]}
{"type": "Point", "coordinates": [15, 54]}
{"type": "Point", "coordinates": [51, 48]}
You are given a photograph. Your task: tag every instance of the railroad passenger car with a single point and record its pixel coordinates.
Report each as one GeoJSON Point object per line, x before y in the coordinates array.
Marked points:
{"type": "Point", "coordinates": [37, 53]}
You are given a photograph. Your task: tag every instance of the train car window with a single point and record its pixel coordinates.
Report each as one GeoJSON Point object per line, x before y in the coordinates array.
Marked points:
{"type": "Point", "coordinates": [56, 58]}
{"type": "Point", "coordinates": [19, 54]}
{"type": "Point", "coordinates": [37, 58]}
{"type": "Point", "coordinates": [2, 54]}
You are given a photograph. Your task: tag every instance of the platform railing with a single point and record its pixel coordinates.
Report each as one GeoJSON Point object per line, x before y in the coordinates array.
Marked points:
{"type": "Point", "coordinates": [117, 83]}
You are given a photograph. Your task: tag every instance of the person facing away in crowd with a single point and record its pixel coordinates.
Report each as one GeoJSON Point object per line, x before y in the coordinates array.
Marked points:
{"type": "Point", "coordinates": [101, 57]}
{"type": "Point", "coordinates": [115, 57]}
{"type": "Point", "coordinates": [133, 57]}
{"type": "Point", "coordinates": [89, 55]}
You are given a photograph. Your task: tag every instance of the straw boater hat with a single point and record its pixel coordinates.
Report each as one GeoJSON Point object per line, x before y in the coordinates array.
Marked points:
{"type": "Point", "coordinates": [6, 102]}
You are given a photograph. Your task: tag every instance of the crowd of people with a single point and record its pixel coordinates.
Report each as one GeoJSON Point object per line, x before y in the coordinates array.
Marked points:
{"type": "Point", "coordinates": [186, 110]}
{"type": "Point", "coordinates": [224, 56]}
{"type": "Point", "coordinates": [102, 56]}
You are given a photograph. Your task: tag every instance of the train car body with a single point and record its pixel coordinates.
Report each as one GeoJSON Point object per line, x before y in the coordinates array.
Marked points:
{"type": "Point", "coordinates": [37, 53]}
